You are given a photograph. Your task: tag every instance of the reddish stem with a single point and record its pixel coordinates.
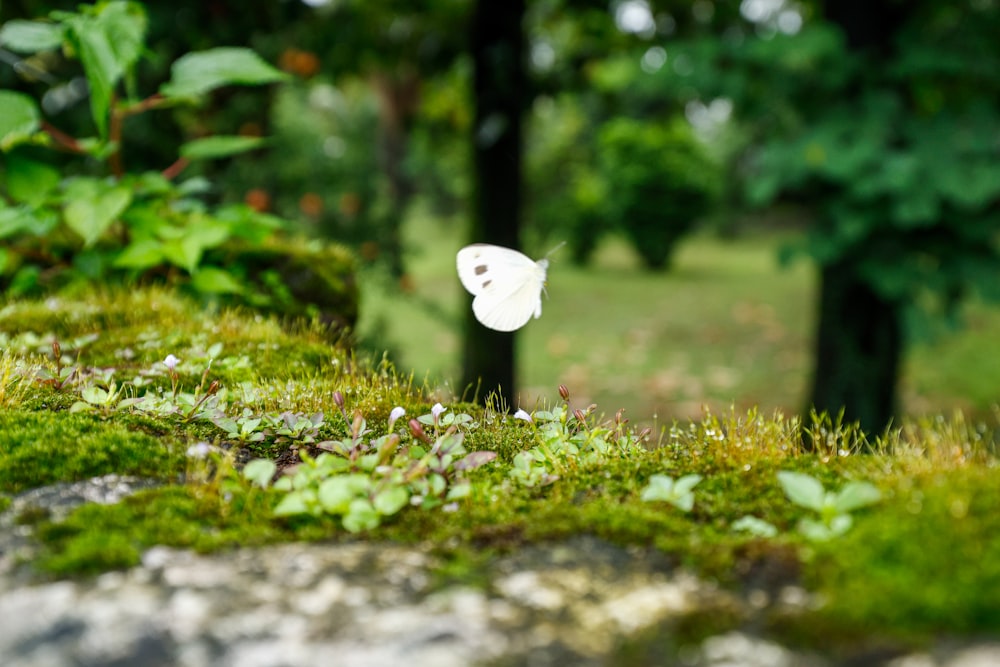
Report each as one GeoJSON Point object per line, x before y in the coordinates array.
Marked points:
{"type": "Point", "coordinates": [61, 138]}
{"type": "Point", "coordinates": [174, 170]}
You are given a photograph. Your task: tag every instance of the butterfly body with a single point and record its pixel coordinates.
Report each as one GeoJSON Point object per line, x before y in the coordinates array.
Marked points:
{"type": "Point", "coordinates": [507, 285]}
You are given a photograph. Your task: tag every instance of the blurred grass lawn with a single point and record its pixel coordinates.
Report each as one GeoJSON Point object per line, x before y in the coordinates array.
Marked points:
{"type": "Point", "coordinates": [726, 326]}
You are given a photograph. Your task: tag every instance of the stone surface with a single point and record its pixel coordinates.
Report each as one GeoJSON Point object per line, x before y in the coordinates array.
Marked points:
{"type": "Point", "coordinates": [371, 605]}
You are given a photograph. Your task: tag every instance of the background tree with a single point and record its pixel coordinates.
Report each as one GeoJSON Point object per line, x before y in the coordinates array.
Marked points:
{"type": "Point", "coordinates": [878, 119]}
{"type": "Point", "coordinates": [500, 94]}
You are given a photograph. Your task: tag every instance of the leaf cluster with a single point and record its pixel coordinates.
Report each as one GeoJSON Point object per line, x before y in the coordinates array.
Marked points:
{"type": "Point", "coordinates": [58, 229]}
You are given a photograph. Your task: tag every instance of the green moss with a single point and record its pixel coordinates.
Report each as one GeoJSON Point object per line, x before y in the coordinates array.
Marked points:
{"type": "Point", "coordinates": [39, 448]}
{"type": "Point", "coordinates": [96, 538]}
{"type": "Point", "coordinates": [927, 560]}
{"type": "Point", "coordinates": [92, 553]}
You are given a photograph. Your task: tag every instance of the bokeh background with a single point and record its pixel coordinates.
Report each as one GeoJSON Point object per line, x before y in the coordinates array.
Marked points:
{"type": "Point", "coordinates": [731, 180]}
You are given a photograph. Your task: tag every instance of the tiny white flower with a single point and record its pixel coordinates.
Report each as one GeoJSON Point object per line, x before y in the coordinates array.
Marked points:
{"type": "Point", "coordinates": [171, 362]}
{"type": "Point", "coordinates": [199, 450]}
{"type": "Point", "coordinates": [396, 413]}
{"type": "Point", "coordinates": [437, 410]}
{"type": "Point", "coordinates": [521, 414]}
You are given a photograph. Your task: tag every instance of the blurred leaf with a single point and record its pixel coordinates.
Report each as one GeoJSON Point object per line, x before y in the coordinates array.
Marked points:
{"type": "Point", "coordinates": [31, 36]}
{"type": "Point", "coordinates": [124, 24]}
{"type": "Point", "coordinates": [855, 495]}
{"type": "Point", "coordinates": [292, 504]}
{"type": "Point", "coordinates": [19, 118]}
{"type": "Point", "coordinates": [140, 255]}
{"type": "Point", "coordinates": [686, 483]}
{"type": "Point", "coordinates": [803, 490]}
{"type": "Point", "coordinates": [391, 500]}
{"type": "Point", "coordinates": [93, 206]}
{"type": "Point", "coordinates": [219, 146]}
{"type": "Point", "coordinates": [195, 74]}
{"type": "Point", "coordinates": [183, 251]}
{"type": "Point", "coordinates": [755, 526]}
{"type": "Point", "coordinates": [917, 208]}
{"type": "Point", "coordinates": [361, 516]}
{"type": "Point", "coordinates": [30, 181]}
{"type": "Point", "coordinates": [12, 220]}
{"type": "Point", "coordinates": [213, 280]}
{"type": "Point", "coordinates": [100, 64]}
{"type": "Point", "coordinates": [260, 472]}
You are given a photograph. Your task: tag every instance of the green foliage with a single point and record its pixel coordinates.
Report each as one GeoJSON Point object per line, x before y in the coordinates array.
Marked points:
{"type": "Point", "coordinates": [678, 492]}
{"type": "Point", "coordinates": [567, 440]}
{"type": "Point", "coordinates": [928, 561]}
{"type": "Point", "coordinates": [70, 231]}
{"type": "Point", "coordinates": [363, 483]}
{"type": "Point", "coordinates": [834, 509]}
{"type": "Point", "coordinates": [888, 150]}
{"type": "Point", "coordinates": [195, 74]}
{"type": "Point", "coordinates": [39, 448]}
{"type": "Point", "coordinates": [659, 183]}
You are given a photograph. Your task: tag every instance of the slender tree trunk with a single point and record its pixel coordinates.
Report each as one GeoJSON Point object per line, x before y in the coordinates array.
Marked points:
{"type": "Point", "coordinates": [858, 349]}
{"type": "Point", "coordinates": [497, 46]}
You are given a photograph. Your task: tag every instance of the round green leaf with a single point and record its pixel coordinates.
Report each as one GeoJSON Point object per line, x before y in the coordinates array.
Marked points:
{"type": "Point", "coordinates": [803, 490]}
{"type": "Point", "coordinates": [19, 118]}
{"type": "Point", "coordinates": [213, 280]}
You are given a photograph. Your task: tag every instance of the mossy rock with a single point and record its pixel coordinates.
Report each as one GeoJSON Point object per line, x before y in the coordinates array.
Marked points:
{"type": "Point", "coordinates": [294, 279]}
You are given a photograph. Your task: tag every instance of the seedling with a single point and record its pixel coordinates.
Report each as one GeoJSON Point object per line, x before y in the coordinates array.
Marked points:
{"type": "Point", "coordinates": [833, 508]}
{"type": "Point", "coordinates": [678, 493]}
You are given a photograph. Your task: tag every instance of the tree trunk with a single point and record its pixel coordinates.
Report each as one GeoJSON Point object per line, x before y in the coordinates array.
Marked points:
{"type": "Point", "coordinates": [858, 349]}
{"type": "Point", "coordinates": [497, 46]}
{"type": "Point", "coordinates": [859, 341]}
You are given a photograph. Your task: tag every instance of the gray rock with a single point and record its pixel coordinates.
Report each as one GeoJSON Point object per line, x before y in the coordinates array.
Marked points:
{"type": "Point", "coordinates": [372, 605]}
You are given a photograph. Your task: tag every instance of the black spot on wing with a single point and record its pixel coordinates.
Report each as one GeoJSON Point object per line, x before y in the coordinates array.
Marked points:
{"type": "Point", "coordinates": [481, 269]}
{"type": "Point", "coordinates": [486, 283]}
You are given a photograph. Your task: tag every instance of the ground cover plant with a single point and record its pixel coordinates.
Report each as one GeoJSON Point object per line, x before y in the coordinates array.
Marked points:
{"type": "Point", "coordinates": [257, 435]}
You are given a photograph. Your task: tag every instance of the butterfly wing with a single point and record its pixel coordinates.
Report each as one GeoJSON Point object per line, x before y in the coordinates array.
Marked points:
{"type": "Point", "coordinates": [507, 285]}
{"type": "Point", "coordinates": [511, 311]}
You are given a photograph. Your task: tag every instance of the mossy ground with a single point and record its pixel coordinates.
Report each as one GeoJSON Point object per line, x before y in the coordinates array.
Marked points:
{"type": "Point", "coordinates": [924, 561]}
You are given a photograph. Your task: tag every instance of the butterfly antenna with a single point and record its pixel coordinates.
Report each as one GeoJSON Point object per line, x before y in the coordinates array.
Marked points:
{"type": "Point", "coordinates": [550, 252]}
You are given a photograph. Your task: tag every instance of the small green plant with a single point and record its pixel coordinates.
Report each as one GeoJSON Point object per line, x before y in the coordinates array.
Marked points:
{"type": "Point", "coordinates": [364, 480]}
{"type": "Point", "coordinates": [755, 526]}
{"type": "Point", "coordinates": [833, 508]}
{"type": "Point", "coordinates": [570, 438]}
{"type": "Point", "coordinates": [58, 230]}
{"type": "Point", "coordinates": [95, 397]}
{"type": "Point", "coordinates": [295, 427]}
{"type": "Point", "coordinates": [243, 429]}
{"type": "Point", "coordinates": [676, 492]}
{"type": "Point", "coordinates": [529, 469]}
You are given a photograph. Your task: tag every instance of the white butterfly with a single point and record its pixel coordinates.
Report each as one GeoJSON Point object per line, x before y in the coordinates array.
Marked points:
{"type": "Point", "coordinates": [507, 285]}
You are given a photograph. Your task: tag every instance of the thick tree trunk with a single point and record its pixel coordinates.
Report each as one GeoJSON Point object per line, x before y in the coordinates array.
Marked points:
{"type": "Point", "coordinates": [497, 46]}
{"type": "Point", "coordinates": [859, 340]}
{"type": "Point", "coordinates": [858, 350]}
